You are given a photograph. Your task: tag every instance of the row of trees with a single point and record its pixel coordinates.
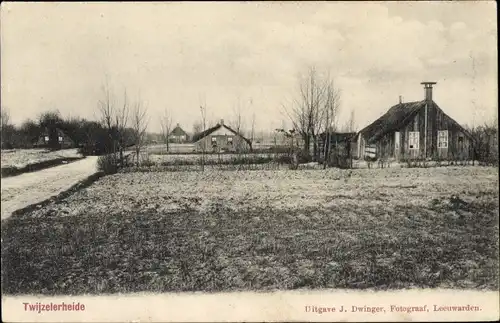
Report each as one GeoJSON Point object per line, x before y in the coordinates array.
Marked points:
{"type": "Point", "coordinates": [125, 122]}
{"type": "Point", "coordinates": [119, 125]}
{"type": "Point", "coordinates": [313, 110]}
{"type": "Point", "coordinates": [90, 136]}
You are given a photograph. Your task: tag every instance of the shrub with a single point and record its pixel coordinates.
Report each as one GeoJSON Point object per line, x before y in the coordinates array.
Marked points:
{"type": "Point", "coordinates": [304, 157]}
{"type": "Point", "coordinates": [283, 159]}
{"type": "Point", "coordinates": [408, 161]}
{"type": "Point", "coordinates": [147, 162]}
{"type": "Point", "coordinates": [108, 164]}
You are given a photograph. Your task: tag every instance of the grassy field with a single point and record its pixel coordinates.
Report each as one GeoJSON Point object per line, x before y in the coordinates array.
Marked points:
{"type": "Point", "coordinates": [261, 230]}
{"type": "Point", "coordinates": [211, 159]}
{"type": "Point", "coordinates": [161, 149]}
{"type": "Point", "coordinates": [22, 157]}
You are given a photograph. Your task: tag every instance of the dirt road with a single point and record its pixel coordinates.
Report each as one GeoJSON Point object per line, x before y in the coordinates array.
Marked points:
{"type": "Point", "coordinates": [30, 188]}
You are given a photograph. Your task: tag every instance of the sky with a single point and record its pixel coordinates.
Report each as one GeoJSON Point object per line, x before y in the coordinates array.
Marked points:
{"type": "Point", "coordinates": [176, 56]}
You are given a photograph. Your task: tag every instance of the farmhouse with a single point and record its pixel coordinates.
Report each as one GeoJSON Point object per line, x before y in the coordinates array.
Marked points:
{"type": "Point", "coordinates": [178, 135]}
{"type": "Point", "coordinates": [417, 129]}
{"type": "Point", "coordinates": [221, 138]}
{"type": "Point", "coordinates": [54, 139]}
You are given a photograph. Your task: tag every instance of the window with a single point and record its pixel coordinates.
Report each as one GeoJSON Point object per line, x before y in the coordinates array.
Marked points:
{"type": "Point", "coordinates": [443, 139]}
{"type": "Point", "coordinates": [230, 140]}
{"type": "Point", "coordinates": [214, 141]}
{"type": "Point", "coordinates": [413, 139]}
{"type": "Point", "coordinates": [396, 140]}
{"type": "Point", "coordinates": [60, 139]}
{"type": "Point", "coordinates": [47, 138]}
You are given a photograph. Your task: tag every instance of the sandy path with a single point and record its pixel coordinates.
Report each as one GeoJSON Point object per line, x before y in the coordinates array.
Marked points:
{"type": "Point", "coordinates": [30, 188]}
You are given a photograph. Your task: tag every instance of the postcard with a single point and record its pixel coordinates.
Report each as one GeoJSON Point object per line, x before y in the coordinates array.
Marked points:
{"type": "Point", "coordinates": [272, 161]}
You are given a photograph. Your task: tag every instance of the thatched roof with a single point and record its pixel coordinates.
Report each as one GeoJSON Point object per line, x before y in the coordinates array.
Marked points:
{"type": "Point", "coordinates": [393, 119]}
{"type": "Point", "coordinates": [397, 117]}
{"type": "Point", "coordinates": [207, 132]}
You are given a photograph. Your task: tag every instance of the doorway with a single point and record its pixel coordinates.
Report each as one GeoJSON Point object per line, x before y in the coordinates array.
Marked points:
{"type": "Point", "coordinates": [397, 145]}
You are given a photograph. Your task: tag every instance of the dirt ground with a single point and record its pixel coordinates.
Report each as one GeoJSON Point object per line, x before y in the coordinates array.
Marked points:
{"type": "Point", "coordinates": [30, 188]}
{"type": "Point", "coordinates": [261, 230]}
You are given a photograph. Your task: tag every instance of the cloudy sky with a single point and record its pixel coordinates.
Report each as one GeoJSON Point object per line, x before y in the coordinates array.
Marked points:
{"type": "Point", "coordinates": [177, 55]}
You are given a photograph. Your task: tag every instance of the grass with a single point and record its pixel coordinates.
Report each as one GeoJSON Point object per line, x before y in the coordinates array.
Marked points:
{"type": "Point", "coordinates": [226, 231]}
{"type": "Point", "coordinates": [21, 158]}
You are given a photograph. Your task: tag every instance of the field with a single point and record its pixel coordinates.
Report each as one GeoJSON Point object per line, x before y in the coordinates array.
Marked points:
{"type": "Point", "coordinates": [388, 228]}
{"type": "Point", "coordinates": [20, 158]}
{"type": "Point", "coordinates": [173, 148]}
{"type": "Point", "coordinates": [187, 148]}
{"type": "Point", "coordinates": [195, 159]}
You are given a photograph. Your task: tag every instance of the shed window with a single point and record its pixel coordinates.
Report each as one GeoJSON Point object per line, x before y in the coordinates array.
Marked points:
{"type": "Point", "coordinates": [413, 139]}
{"type": "Point", "coordinates": [214, 139]}
{"type": "Point", "coordinates": [230, 140]}
{"type": "Point", "coordinates": [443, 139]}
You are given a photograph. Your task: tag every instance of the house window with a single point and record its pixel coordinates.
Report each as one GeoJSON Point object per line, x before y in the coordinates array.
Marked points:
{"type": "Point", "coordinates": [230, 140]}
{"type": "Point", "coordinates": [60, 139]}
{"type": "Point", "coordinates": [214, 141]}
{"type": "Point", "coordinates": [46, 138]}
{"type": "Point", "coordinates": [413, 139]}
{"type": "Point", "coordinates": [443, 139]}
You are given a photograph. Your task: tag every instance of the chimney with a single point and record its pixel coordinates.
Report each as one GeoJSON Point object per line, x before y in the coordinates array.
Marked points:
{"type": "Point", "coordinates": [428, 90]}
{"type": "Point", "coordinates": [178, 125]}
{"type": "Point", "coordinates": [400, 99]}
{"type": "Point", "coordinates": [221, 122]}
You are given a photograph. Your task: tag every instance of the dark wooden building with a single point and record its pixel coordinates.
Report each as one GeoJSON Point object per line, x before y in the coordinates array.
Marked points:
{"type": "Point", "coordinates": [417, 129]}
{"type": "Point", "coordinates": [339, 146]}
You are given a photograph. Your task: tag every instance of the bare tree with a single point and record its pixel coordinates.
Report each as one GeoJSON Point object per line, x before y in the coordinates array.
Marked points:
{"type": "Point", "coordinates": [121, 121]}
{"type": "Point", "coordinates": [139, 126]}
{"type": "Point", "coordinates": [307, 110]}
{"type": "Point", "coordinates": [166, 126]}
{"type": "Point", "coordinates": [197, 127]}
{"type": "Point", "coordinates": [350, 124]}
{"type": "Point", "coordinates": [114, 119]}
{"type": "Point", "coordinates": [237, 122]}
{"type": "Point", "coordinates": [203, 112]}
{"type": "Point", "coordinates": [106, 110]}
{"type": "Point", "coordinates": [332, 107]}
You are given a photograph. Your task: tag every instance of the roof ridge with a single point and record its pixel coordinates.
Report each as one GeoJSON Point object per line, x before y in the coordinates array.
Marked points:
{"type": "Point", "coordinates": [207, 132]}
